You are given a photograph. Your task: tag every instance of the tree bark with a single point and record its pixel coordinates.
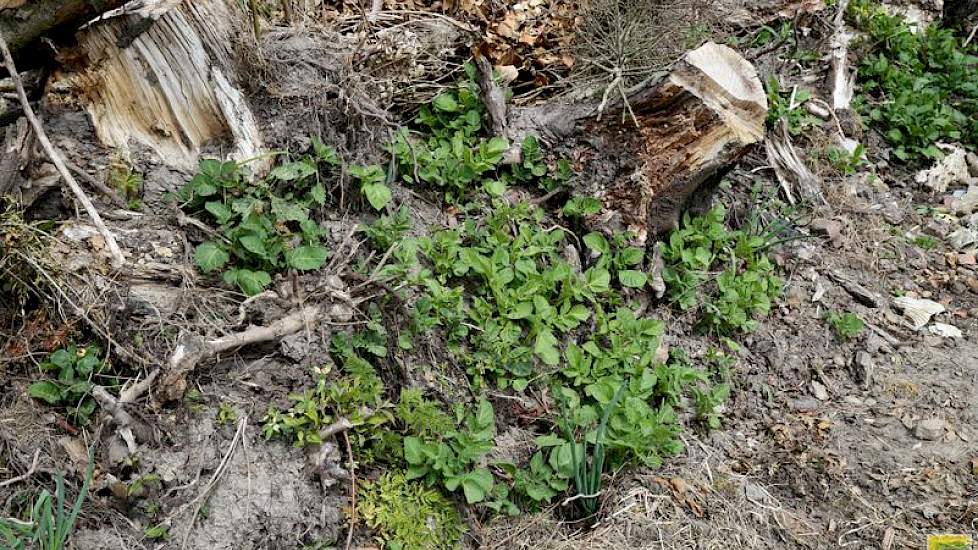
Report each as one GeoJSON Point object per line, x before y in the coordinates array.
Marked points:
{"type": "Point", "coordinates": [24, 21]}
{"type": "Point", "coordinates": [961, 15]}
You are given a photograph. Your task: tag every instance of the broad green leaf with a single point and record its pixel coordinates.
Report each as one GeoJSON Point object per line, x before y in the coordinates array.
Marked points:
{"type": "Point", "coordinates": [546, 348]}
{"type": "Point", "coordinates": [632, 278]}
{"type": "Point", "coordinates": [210, 257]}
{"type": "Point", "coordinates": [220, 212]}
{"type": "Point", "coordinates": [46, 391]}
{"type": "Point", "coordinates": [476, 485]}
{"type": "Point", "coordinates": [496, 146]}
{"type": "Point", "coordinates": [252, 282]}
{"type": "Point", "coordinates": [495, 188]}
{"type": "Point", "coordinates": [293, 171]}
{"type": "Point", "coordinates": [62, 358]}
{"type": "Point", "coordinates": [445, 103]}
{"type": "Point", "coordinates": [318, 194]}
{"type": "Point", "coordinates": [412, 450]}
{"type": "Point", "coordinates": [87, 365]}
{"type": "Point", "coordinates": [288, 211]}
{"type": "Point", "coordinates": [306, 257]}
{"type": "Point", "coordinates": [378, 195]}
{"type": "Point", "coordinates": [597, 243]}
{"type": "Point", "coordinates": [254, 244]}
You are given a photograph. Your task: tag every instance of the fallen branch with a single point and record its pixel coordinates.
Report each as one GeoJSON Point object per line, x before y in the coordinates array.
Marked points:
{"type": "Point", "coordinates": [492, 95]}
{"type": "Point", "coordinates": [30, 471]}
{"type": "Point", "coordinates": [192, 349]}
{"type": "Point", "coordinates": [842, 78]}
{"type": "Point", "coordinates": [117, 259]}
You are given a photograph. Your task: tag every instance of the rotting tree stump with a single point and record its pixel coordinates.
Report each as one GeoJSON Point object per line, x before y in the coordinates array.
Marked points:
{"type": "Point", "coordinates": [688, 127]}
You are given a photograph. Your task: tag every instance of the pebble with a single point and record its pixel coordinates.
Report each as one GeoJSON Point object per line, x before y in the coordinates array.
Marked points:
{"type": "Point", "coordinates": [863, 368]}
{"type": "Point", "coordinates": [819, 391]}
{"type": "Point", "coordinates": [803, 404]}
{"type": "Point", "coordinates": [930, 429]}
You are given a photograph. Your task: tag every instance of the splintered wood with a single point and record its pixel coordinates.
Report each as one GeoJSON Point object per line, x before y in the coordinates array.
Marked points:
{"type": "Point", "coordinates": [166, 79]}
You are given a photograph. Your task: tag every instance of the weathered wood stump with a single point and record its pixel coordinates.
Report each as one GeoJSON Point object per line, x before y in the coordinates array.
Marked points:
{"type": "Point", "coordinates": [675, 135]}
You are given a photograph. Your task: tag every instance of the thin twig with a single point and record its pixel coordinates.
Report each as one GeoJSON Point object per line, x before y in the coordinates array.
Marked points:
{"type": "Point", "coordinates": [117, 259]}
{"type": "Point", "coordinates": [353, 492]}
{"type": "Point", "coordinates": [970, 37]}
{"type": "Point", "coordinates": [30, 472]}
{"type": "Point", "coordinates": [99, 186]}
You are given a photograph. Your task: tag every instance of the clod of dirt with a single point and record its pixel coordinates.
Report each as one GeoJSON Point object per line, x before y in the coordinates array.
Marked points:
{"type": "Point", "coordinates": [953, 169]}
{"type": "Point", "coordinates": [829, 228]}
{"type": "Point", "coordinates": [819, 391]}
{"type": "Point", "coordinates": [931, 429]}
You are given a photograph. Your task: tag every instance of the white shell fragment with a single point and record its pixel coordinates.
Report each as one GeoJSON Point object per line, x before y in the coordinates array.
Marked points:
{"type": "Point", "coordinates": [919, 311]}
{"type": "Point", "coordinates": [945, 330]}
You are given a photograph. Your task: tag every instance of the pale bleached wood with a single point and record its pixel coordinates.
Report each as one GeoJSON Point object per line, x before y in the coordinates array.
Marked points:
{"type": "Point", "coordinates": [173, 87]}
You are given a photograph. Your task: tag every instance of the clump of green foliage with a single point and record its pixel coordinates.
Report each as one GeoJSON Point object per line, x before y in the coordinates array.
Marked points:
{"type": "Point", "coordinates": [263, 226]}
{"type": "Point", "coordinates": [267, 225]}
{"type": "Point", "coordinates": [51, 521]}
{"type": "Point", "coordinates": [789, 106]}
{"type": "Point", "coordinates": [450, 459]}
{"type": "Point", "coordinates": [843, 161]}
{"type": "Point", "coordinates": [846, 325]}
{"type": "Point", "coordinates": [588, 469]}
{"type": "Point", "coordinates": [741, 292]}
{"type": "Point", "coordinates": [919, 86]}
{"type": "Point", "coordinates": [452, 154]}
{"type": "Point", "coordinates": [73, 368]}
{"type": "Point", "coordinates": [926, 242]}
{"type": "Point", "coordinates": [500, 294]}
{"type": "Point", "coordinates": [127, 181]}
{"type": "Point", "coordinates": [357, 395]}
{"type": "Point", "coordinates": [387, 230]}
{"type": "Point", "coordinates": [409, 516]}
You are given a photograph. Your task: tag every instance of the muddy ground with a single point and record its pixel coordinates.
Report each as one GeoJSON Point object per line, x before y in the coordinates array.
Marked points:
{"type": "Point", "coordinates": [870, 443]}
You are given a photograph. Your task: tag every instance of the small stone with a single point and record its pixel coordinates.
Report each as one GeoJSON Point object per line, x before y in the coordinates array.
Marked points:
{"type": "Point", "coordinates": [819, 391]}
{"type": "Point", "coordinates": [894, 215]}
{"type": "Point", "coordinates": [804, 404]}
{"type": "Point", "coordinates": [962, 238]}
{"type": "Point", "coordinates": [937, 228]}
{"type": "Point", "coordinates": [967, 259]}
{"type": "Point", "coordinates": [863, 368]}
{"type": "Point", "coordinates": [930, 429]}
{"type": "Point", "coordinates": [794, 296]}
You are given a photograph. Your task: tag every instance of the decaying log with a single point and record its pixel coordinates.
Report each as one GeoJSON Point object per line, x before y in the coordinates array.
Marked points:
{"type": "Point", "coordinates": [691, 125]}
{"type": "Point", "coordinates": [24, 21]}
{"type": "Point", "coordinates": [169, 84]}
